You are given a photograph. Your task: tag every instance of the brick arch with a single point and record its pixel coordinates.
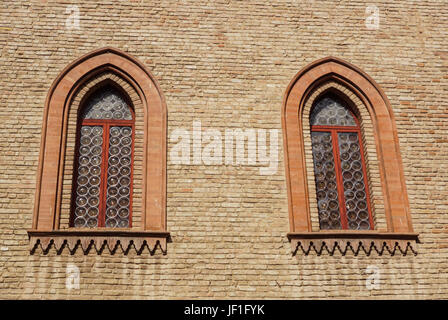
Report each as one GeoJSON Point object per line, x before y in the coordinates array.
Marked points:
{"type": "Point", "coordinates": [360, 88]}
{"type": "Point", "coordinates": [66, 91]}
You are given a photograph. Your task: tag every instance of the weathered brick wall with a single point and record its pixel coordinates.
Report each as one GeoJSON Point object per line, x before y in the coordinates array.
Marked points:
{"type": "Point", "coordinates": [227, 64]}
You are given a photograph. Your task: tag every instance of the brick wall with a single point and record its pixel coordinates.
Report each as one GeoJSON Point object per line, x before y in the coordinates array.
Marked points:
{"type": "Point", "coordinates": [227, 64]}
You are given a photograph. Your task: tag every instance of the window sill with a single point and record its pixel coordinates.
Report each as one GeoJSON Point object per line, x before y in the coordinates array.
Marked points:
{"type": "Point", "coordinates": [98, 239]}
{"type": "Point", "coordinates": [355, 241]}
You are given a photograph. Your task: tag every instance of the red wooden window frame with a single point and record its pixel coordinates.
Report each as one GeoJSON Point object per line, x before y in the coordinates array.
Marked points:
{"type": "Point", "coordinates": [105, 124]}
{"type": "Point", "coordinates": [334, 130]}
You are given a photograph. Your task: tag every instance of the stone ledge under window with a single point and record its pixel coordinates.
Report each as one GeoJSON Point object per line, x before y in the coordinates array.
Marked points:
{"type": "Point", "coordinates": [356, 241]}
{"type": "Point", "coordinates": [98, 240]}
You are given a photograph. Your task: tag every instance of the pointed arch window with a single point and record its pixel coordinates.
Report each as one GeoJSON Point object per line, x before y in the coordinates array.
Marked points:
{"type": "Point", "coordinates": [339, 168]}
{"type": "Point", "coordinates": [103, 170]}
{"type": "Point", "coordinates": [101, 180]}
{"type": "Point", "coordinates": [326, 107]}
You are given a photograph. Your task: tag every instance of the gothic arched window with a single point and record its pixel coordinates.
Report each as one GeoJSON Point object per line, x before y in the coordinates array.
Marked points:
{"type": "Point", "coordinates": [101, 178]}
{"type": "Point", "coordinates": [332, 201]}
{"type": "Point", "coordinates": [102, 185]}
{"type": "Point", "coordinates": [340, 173]}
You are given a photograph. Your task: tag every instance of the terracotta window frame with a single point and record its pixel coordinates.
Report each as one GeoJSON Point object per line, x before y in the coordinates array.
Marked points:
{"type": "Point", "coordinates": [398, 233]}
{"type": "Point", "coordinates": [152, 232]}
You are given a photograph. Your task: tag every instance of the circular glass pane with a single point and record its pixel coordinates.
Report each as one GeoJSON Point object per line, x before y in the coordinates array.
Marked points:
{"type": "Point", "coordinates": [97, 131]}
{"type": "Point", "coordinates": [94, 191]}
{"type": "Point", "coordinates": [95, 171]}
{"type": "Point", "coordinates": [335, 224]}
{"type": "Point", "coordinates": [93, 201]}
{"type": "Point", "coordinates": [92, 222]}
{"type": "Point", "coordinates": [79, 222]}
{"type": "Point", "coordinates": [111, 212]}
{"type": "Point", "coordinates": [124, 181]}
{"type": "Point", "coordinates": [85, 141]}
{"type": "Point", "coordinates": [351, 215]}
{"type": "Point", "coordinates": [97, 141]}
{"type": "Point", "coordinates": [94, 181]}
{"type": "Point", "coordinates": [126, 131]}
{"type": "Point", "coordinates": [363, 215]}
{"type": "Point", "coordinates": [123, 202]}
{"type": "Point", "coordinates": [334, 215]}
{"type": "Point", "coordinates": [364, 225]}
{"type": "Point", "coordinates": [118, 115]}
{"type": "Point", "coordinates": [84, 150]}
{"type": "Point", "coordinates": [114, 141]}
{"type": "Point", "coordinates": [123, 224]}
{"type": "Point", "coordinates": [82, 190]}
{"type": "Point", "coordinates": [82, 180]}
{"type": "Point", "coordinates": [332, 185]}
{"type": "Point", "coordinates": [353, 225]}
{"type": "Point", "coordinates": [114, 161]}
{"type": "Point", "coordinates": [114, 151]}
{"type": "Point", "coordinates": [112, 202]}
{"type": "Point", "coordinates": [358, 175]}
{"type": "Point", "coordinates": [322, 205]}
{"type": "Point", "coordinates": [333, 205]}
{"type": "Point", "coordinates": [124, 191]}
{"type": "Point", "coordinates": [112, 181]}
{"type": "Point", "coordinates": [356, 165]}
{"type": "Point", "coordinates": [113, 171]}
{"type": "Point", "coordinates": [355, 156]}
{"type": "Point", "coordinates": [362, 205]}
{"type": "Point", "coordinates": [114, 131]}
{"type": "Point", "coordinates": [324, 225]}
{"type": "Point", "coordinates": [350, 205]}
{"type": "Point", "coordinates": [80, 211]}
{"type": "Point", "coordinates": [125, 171]}
{"type": "Point", "coordinates": [85, 131]}
{"type": "Point", "coordinates": [123, 213]}
{"type": "Point", "coordinates": [93, 212]}
{"type": "Point", "coordinates": [96, 161]}
{"type": "Point", "coordinates": [111, 223]}
{"type": "Point", "coordinates": [125, 161]}
{"type": "Point", "coordinates": [81, 201]}
{"type": "Point", "coordinates": [83, 160]}
{"type": "Point", "coordinates": [112, 191]}
{"type": "Point", "coordinates": [126, 140]}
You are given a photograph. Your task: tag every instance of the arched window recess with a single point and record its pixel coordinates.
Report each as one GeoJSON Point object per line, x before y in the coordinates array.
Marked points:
{"type": "Point", "coordinates": [345, 181]}
{"type": "Point", "coordinates": [102, 168]}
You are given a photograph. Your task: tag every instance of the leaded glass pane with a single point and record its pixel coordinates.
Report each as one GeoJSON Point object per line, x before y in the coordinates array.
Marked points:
{"type": "Point", "coordinates": [87, 197]}
{"type": "Point", "coordinates": [326, 186]}
{"type": "Point", "coordinates": [119, 177]}
{"type": "Point", "coordinates": [107, 104]}
{"type": "Point", "coordinates": [331, 112]}
{"type": "Point", "coordinates": [353, 181]}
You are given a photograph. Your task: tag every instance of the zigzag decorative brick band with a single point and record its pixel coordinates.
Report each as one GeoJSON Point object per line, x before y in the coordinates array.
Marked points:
{"type": "Point", "coordinates": [98, 240]}
{"type": "Point", "coordinates": [356, 242]}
